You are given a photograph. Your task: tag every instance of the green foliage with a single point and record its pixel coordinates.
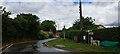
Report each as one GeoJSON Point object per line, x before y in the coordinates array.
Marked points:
{"type": "Point", "coordinates": [71, 33]}
{"type": "Point", "coordinates": [48, 25]}
{"type": "Point", "coordinates": [111, 34]}
{"type": "Point", "coordinates": [88, 23]}
{"type": "Point", "coordinates": [23, 26]}
{"type": "Point", "coordinates": [78, 47]}
{"type": "Point", "coordinates": [27, 25]}
{"type": "Point", "coordinates": [8, 29]}
{"type": "Point", "coordinates": [43, 35]}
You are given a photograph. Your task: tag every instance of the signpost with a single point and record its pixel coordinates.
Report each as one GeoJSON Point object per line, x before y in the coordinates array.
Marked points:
{"type": "Point", "coordinates": [90, 37]}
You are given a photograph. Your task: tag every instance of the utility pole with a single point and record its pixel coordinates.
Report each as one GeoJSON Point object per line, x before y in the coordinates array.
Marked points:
{"type": "Point", "coordinates": [80, 11]}
{"type": "Point", "coordinates": [64, 33]}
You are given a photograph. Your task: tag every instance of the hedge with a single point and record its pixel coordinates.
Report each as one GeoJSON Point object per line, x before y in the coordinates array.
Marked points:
{"type": "Point", "coordinates": [110, 34]}
{"type": "Point", "coordinates": [71, 33]}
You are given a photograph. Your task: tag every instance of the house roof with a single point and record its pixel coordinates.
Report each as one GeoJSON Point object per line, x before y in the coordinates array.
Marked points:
{"type": "Point", "coordinates": [101, 25]}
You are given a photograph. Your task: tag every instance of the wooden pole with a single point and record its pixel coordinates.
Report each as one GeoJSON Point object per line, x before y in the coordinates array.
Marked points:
{"type": "Point", "coordinates": [80, 11]}
{"type": "Point", "coordinates": [64, 33]}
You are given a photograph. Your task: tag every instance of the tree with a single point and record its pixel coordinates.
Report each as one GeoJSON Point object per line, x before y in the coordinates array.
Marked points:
{"type": "Point", "coordinates": [8, 29]}
{"type": "Point", "coordinates": [48, 25]}
{"type": "Point", "coordinates": [88, 23]}
{"type": "Point", "coordinates": [24, 27]}
{"type": "Point", "coordinates": [28, 25]}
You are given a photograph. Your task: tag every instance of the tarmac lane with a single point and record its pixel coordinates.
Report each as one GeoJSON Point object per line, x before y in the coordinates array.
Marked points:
{"type": "Point", "coordinates": [35, 48]}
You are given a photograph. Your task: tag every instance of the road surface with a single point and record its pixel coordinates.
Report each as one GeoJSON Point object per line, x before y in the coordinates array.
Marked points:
{"type": "Point", "coordinates": [34, 48]}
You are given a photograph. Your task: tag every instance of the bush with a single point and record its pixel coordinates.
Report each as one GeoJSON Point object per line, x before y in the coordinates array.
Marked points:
{"type": "Point", "coordinates": [110, 34]}
{"type": "Point", "coordinates": [43, 35]}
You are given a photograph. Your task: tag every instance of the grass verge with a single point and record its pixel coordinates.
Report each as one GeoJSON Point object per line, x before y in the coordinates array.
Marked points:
{"type": "Point", "coordinates": [77, 47]}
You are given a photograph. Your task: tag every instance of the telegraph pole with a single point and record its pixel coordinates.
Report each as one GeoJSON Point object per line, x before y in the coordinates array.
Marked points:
{"type": "Point", "coordinates": [64, 33]}
{"type": "Point", "coordinates": [80, 11]}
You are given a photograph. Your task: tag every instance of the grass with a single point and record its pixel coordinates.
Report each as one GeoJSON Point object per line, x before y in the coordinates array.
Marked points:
{"type": "Point", "coordinates": [77, 47]}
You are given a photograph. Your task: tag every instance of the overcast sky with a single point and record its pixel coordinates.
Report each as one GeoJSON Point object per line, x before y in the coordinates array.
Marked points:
{"type": "Point", "coordinates": [65, 12]}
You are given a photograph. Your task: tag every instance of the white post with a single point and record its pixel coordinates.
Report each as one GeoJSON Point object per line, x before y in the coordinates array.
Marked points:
{"type": "Point", "coordinates": [91, 40]}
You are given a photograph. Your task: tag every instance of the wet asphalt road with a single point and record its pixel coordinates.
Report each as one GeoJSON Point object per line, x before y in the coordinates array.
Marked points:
{"type": "Point", "coordinates": [34, 48]}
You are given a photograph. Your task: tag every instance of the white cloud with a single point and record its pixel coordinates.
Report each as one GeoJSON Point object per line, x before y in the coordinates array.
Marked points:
{"type": "Point", "coordinates": [62, 15]}
{"type": "Point", "coordinates": [105, 14]}
{"type": "Point", "coordinates": [24, 7]}
{"type": "Point", "coordinates": [28, 0]}
{"type": "Point", "coordinates": [105, 0]}
{"type": "Point", "coordinates": [1, 2]}
{"type": "Point", "coordinates": [64, 12]}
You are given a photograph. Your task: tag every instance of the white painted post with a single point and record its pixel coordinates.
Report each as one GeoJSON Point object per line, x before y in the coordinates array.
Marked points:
{"type": "Point", "coordinates": [91, 40]}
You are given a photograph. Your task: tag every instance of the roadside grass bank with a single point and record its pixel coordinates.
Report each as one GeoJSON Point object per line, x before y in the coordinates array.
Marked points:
{"type": "Point", "coordinates": [77, 47]}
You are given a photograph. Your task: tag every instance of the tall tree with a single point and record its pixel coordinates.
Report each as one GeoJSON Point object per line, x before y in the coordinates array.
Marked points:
{"type": "Point", "coordinates": [27, 25]}
{"type": "Point", "coordinates": [88, 24]}
{"type": "Point", "coordinates": [23, 26]}
{"type": "Point", "coordinates": [48, 25]}
{"type": "Point", "coordinates": [8, 29]}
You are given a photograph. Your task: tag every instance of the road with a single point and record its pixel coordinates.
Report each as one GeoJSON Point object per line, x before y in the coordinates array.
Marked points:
{"type": "Point", "coordinates": [34, 48]}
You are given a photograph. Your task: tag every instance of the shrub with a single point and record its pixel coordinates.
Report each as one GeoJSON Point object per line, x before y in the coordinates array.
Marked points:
{"type": "Point", "coordinates": [43, 35]}
{"type": "Point", "coordinates": [71, 33]}
{"type": "Point", "coordinates": [110, 34]}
